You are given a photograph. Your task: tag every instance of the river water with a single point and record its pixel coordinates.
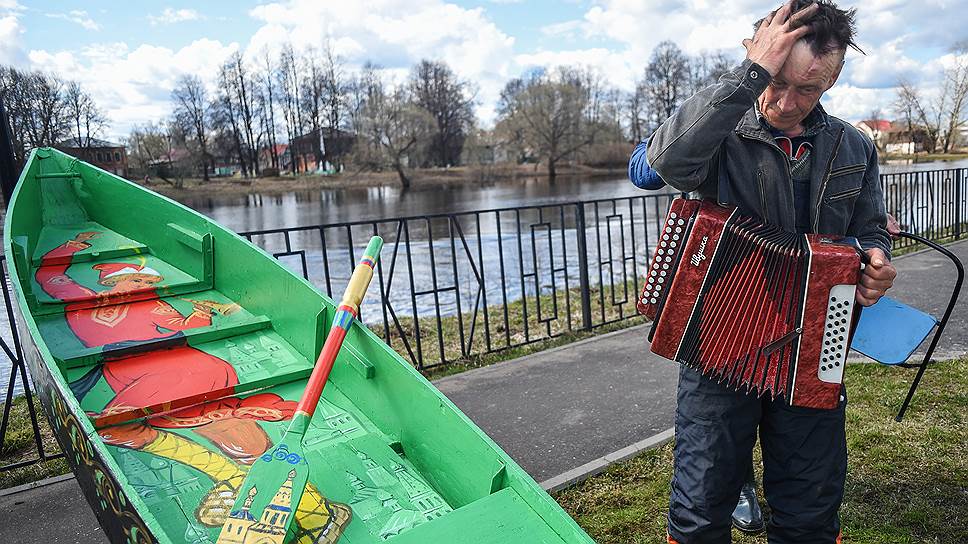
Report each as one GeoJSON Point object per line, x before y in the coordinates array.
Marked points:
{"type": "Point", "coordinates": [243, 213]}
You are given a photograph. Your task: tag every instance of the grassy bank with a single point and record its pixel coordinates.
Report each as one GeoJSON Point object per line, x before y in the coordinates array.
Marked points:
{"type": "Point", "coordinates": [907, 482]}
{"type": "Point", "coordinates": [507, 338]}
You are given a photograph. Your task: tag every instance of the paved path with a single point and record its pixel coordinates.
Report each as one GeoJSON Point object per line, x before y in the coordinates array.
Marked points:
{"type": "Point", "coordinates": [556, 410]}
{"type": "Point", "coordinates": [562, 413]}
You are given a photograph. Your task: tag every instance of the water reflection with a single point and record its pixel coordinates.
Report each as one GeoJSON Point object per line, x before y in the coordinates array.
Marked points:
{"type": "Point", "coordinates": [314, 207]}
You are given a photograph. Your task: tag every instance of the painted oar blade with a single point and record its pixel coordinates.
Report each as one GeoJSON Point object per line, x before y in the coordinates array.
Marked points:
{"type": "Point", "coordinates": [269, 496]}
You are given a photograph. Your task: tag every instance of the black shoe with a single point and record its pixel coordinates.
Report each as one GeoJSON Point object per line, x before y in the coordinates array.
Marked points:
{"type": "Point", "coordinates": [747, 516]}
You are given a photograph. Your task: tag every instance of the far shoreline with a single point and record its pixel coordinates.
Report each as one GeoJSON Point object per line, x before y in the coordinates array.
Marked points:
{"type": "Point", "coordinates": [421, 179]}
{"type": "Point", "coordinates": [425, 179]}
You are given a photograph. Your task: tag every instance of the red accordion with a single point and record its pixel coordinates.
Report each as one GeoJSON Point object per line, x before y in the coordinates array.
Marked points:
{"type": "Point", "coordinates": [751, 305]}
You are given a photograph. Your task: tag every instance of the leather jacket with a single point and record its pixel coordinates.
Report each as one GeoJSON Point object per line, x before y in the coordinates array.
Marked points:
{"type": "Point", "coordinates": [716, 146]}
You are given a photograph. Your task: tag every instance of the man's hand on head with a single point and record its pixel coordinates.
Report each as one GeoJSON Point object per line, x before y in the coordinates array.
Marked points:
{"type": "Point", "coordinates": [776, 35]}
{"type": "Point", "coordinates": [877, 278]}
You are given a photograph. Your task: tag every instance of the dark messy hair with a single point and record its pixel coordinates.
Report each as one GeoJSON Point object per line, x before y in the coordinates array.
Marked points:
{"type": "Point", "coordinates": [832, 28]}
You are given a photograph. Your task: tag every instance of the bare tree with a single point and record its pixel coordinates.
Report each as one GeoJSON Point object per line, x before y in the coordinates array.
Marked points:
{"type": "Point", "coordinates": [555, 114]}
{"type": "Point", "coordinates": [706, 68]}
{"type": "Point", "coordinates": [362, 88]}
{"type": "Point", "coordinates": [266, 97]}
{"type": "Point", "coordinates": [226, 119]}
{"type": "Point", "coordinates": [956, 83]}
{"type": "Point", "coordinates": [637, 112]}
{"type": "Point", "coordinates": [86, 118]}
{"type": "Point", "coordinates": [668, 80]}
{"type": "Point", "coordinates": [449, 100]}
{"type": "Point", "coordinates": [393, 129]}
{"type": "Point", "coordinates": [192, 113]}
{"type": "Point", "coordinates": [287, 78]}
{"type": "Point", "coordinates": [151, 148]}
{"type": "Point", "coordinates": [920, 112]}
{"type": "Point", "coordinates": [336, 88]}
{"type": "Point", "coordinates": [37, 107]}
{"type": "Point", "coordinates": [312, 95]}
{"type": "Point", "coordinates": [241, 85]}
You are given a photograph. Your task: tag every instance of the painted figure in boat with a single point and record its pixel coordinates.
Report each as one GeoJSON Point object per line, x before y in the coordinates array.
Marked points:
{"type": "Point", "coordinates": [137, 315]}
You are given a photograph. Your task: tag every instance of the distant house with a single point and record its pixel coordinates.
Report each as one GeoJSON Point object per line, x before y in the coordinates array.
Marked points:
{"type": "Point", "coordinates": [282, 153]}
{"type": "Point", "coordinates": [101, 153]}
{"type": "Point", "coordinates": [876, 130]}
{"type": "Point", "coordinates": [905, 141]}
{"type": "Point", "coordinates": [312, 154]}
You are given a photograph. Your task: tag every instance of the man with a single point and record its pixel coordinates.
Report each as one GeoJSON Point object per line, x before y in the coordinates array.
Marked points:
{"type": "Point", "coordinates": [747, 515]}
{"type": "Point", "coordinates": [760, 140]}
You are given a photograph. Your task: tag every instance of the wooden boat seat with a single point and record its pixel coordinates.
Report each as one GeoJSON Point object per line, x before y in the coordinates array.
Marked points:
{"type": "Point", "coordinates": [107, 245]}
{"type": "Point", "coordinates": [104, 248]}
{"type": "Point", "coordinates": [71, 352]}
{"type": "Point", "coordinates": [175, 282]}
{"type": "Point", "coordinates": [258, 359]}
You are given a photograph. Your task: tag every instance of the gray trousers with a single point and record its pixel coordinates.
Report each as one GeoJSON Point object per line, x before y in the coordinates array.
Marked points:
{"type": "Point", "coordinates": [804, 464]}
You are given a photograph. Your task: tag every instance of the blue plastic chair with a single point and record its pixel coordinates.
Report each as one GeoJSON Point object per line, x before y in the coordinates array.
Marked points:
{"type": "Point", "coordinates": [890, 331]}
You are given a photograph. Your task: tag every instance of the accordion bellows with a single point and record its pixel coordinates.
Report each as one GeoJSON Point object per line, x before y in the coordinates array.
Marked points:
{"type": "Point", "coordinates": [751, 305]}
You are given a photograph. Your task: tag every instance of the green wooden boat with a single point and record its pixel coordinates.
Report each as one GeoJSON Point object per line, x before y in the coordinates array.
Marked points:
{"type": "Point", "coordinates": [169, 353]}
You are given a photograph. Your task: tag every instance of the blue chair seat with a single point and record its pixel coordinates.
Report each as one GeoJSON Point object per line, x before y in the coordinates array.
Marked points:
{"type": "Point", "coordinates": [890, 331]}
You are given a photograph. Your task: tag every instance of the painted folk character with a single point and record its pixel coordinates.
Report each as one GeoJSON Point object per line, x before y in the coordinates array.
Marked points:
{"type": "Point", "coordinates": [180, 372]}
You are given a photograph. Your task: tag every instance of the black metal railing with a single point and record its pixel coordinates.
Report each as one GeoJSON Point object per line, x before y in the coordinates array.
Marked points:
{"type": "Point", "coordinates": [931, 203]}
{"type": "Point", "coordinates": [18, 385]}
{"type": "Point", "coordinates": [462, 285]}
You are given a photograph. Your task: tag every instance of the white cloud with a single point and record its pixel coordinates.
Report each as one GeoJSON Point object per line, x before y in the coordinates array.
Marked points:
{"type": "Point", "coordinates": [77, 16]}
{"type": "Point", "coordinates": [10, 31]}
{"type": "Point", "coordinates": [394, 34]}
{"type": "Point", "coordinates": [856, 103]}
{"type": "Point", "coordinates": [614, 66]}
{"type": "Point", "coordinates": [883, 66]}
{"type": "Point", "coordinates": [134, 86]}
{"type": "Point", "coordinates": [565, 29]}
{"type": "Point", "coordinates": [171, 16]}
{"type": "Point", "coordinates": [901, 39]}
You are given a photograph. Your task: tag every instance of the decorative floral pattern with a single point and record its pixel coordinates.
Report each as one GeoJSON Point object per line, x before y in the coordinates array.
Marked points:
{"type": "Point", "coordinates": [112, 502]}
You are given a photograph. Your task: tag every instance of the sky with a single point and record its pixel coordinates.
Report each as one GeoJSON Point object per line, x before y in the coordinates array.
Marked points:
{"type": "Point", "coordinates": [129, 55]}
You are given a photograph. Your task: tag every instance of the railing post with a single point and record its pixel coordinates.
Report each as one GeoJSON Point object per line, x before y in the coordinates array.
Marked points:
{"type": "Point", "coordinates": [586, 296]}
{"type": "Point", "coordinates": [8, 162]}
{"type": "Point", "coordinates": [959, 179]}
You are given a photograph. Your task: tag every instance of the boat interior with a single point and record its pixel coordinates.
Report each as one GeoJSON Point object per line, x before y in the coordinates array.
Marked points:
{"type": "Point", "coordinates": [183, 350]}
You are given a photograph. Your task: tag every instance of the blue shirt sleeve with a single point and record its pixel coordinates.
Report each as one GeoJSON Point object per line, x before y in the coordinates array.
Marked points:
{"type": "Point", "coordinates": [640, 173]}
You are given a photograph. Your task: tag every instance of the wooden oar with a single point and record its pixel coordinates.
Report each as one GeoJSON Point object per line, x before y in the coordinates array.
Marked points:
{"type": "Point", "coordinates": [283, 471]}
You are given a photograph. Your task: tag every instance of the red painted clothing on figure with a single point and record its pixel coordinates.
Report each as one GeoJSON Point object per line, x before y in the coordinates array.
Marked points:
{"type": "Point", "coordinates": [148, 378]}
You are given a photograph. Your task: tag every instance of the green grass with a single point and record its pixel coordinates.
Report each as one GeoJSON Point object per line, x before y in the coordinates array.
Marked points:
{"type": "Point", "coordinates": [505, 337]}
{"type": "Point", "coordinates": [906, 483]}
{"type": "Point", "coordinates": [18, 445]}
{"type": "Point", "coordinates": [942, 237]}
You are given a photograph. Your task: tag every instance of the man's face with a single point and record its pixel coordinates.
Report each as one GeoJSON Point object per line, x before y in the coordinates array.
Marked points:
{"type": "Point", "coordinates": [795, 91]}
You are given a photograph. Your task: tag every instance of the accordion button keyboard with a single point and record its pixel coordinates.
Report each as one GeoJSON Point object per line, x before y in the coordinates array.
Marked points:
{"type": "Point", "coordinates": [839, 308]}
